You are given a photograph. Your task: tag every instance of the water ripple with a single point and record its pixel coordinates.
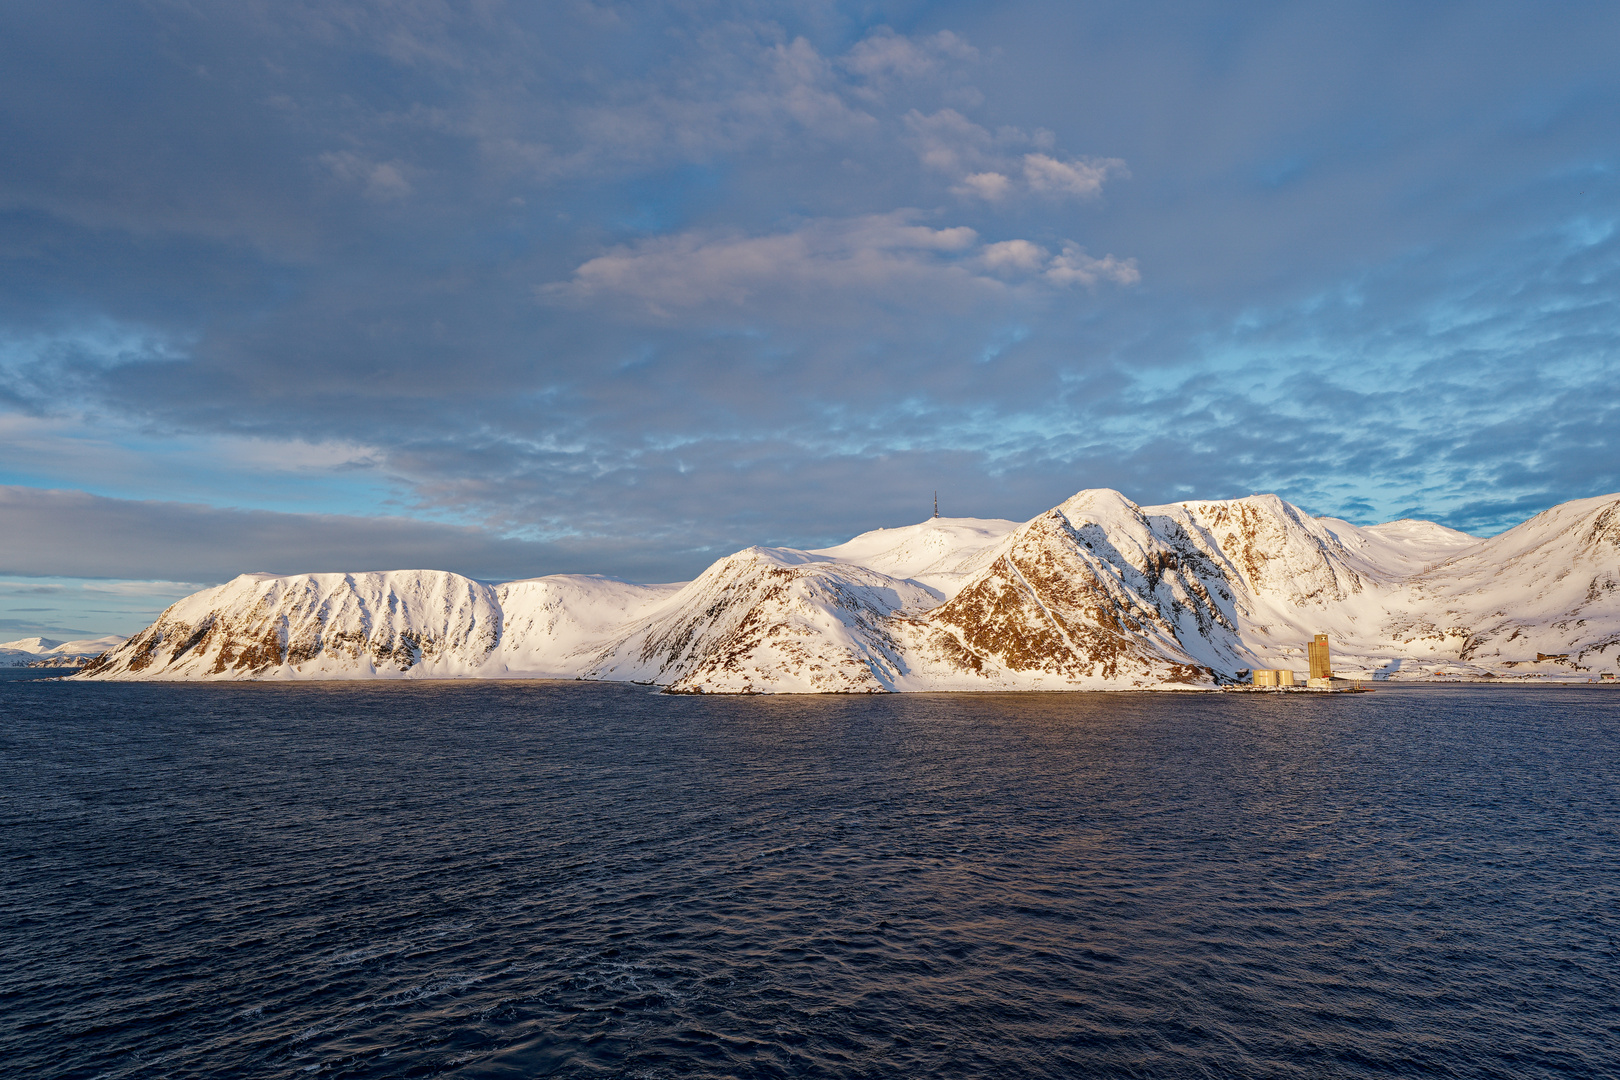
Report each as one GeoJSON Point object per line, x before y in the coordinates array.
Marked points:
{"type": "Point", "coordinates": [529, 879]}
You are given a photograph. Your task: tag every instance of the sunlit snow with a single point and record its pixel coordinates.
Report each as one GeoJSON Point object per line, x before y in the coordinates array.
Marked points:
{"type": "Point", "coordinates": [1098, 593]}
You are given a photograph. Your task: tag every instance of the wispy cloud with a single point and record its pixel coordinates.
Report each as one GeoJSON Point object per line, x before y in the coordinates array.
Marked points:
{"type": "Point", "coordinates": [380, 181]}
{"type": "Point", "coordinates": [142, 588]}
{"type": "Point", "coordinates": [633, 284]}
{"type": "Point", "coordinates": [876, 259]}
{"type": "Point", "coordinates": [995, 166]}
{"type": "Point", "coordinates": [885, 55]}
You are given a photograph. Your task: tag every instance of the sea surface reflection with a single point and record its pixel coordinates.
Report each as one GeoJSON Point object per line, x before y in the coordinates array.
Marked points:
{"type": "Point", "coordinates": [533, 879]}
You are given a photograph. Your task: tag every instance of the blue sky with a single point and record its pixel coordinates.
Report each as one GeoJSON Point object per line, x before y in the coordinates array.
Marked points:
{"type": "Point", "coordinates": [513, 289]}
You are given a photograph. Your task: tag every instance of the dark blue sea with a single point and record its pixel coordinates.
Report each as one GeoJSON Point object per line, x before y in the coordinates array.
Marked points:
{"type": "Point", "coordinates": [583, 880]}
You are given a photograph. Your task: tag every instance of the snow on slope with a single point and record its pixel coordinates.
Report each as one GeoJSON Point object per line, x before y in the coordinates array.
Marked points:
{"type": "Point", "coordinates": [939, 553]}
{"type": "Point", "coordinates": [1550, 586]}
{"type": "Point", "coordinates": [771, 620]}
{"type": "Point", "coordinates": [1401, 548]}
{"type": "Point", "coordinates": [43, 652]}
{"type": "Point", "coordinates": [1084, 596]}
{"type": "Point", "coordinates": [421, 623]}
{"type": "Point", "coordinates": [33, 646]}
{"type": "Point", "coordinates": [552, 626]}
{"type": "Point", "coordinates": [1097, 593]}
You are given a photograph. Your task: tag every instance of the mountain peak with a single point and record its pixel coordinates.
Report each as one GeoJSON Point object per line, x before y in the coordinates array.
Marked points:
{"type": "Point", "coordinates": [1096, 593]}
{"type": "Point", "coordinates": [32, 644]}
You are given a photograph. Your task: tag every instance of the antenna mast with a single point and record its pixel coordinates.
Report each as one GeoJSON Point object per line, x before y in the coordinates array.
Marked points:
{"type": "Point", "coordinates": [936, 504]}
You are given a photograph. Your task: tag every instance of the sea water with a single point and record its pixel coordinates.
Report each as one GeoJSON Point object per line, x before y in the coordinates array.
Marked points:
{"type": "Point", "coordinates": [568, 879]}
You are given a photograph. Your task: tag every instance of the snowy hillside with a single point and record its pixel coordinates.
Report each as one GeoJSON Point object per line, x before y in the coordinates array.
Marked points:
{"type": "Point", "coordinates": [940, 553]}
{"type": "Point", "coordinates": [425, 623]}
{"type": "Point", "coordinates": [1097, 593]}
{"type": "Point", "coordinates": [43, 652]}
{"type": "Point", "coordinates": [771, 620]}
{"type": "Point", "coordinates": [1550, 586]}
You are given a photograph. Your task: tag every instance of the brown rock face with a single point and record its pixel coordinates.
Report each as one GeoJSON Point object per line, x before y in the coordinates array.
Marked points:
{"type": "Point", "coordinates": [1099, 593]}
{"type": "Point", "coordinates": [1054, 603]}
{"type": "Point", "coordinates": [1271, 553]}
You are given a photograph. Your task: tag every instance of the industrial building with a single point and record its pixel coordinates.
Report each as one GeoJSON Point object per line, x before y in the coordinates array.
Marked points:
{"type": "Point", "coordinates": [1273, 677]}
{"type": "Point", "coordinates": [1319, 678]}
{"type": "Point", "coordinates": [1321, 666]}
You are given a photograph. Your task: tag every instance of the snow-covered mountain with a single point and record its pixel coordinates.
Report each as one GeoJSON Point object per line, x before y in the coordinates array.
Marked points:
{"type": "Point", "coordinates": [1097, 593]}
{"type": "Point", "coordinates": [43, 652]}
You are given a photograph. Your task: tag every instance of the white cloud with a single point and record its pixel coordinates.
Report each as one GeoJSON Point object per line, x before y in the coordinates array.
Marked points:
{"type": "Point", "coordinates": [989, 186]}
{"type": "Point", "coordinates": [802, 86]}
{"type": "Point", "coordinates": [1014, 255]}
{"type": "Point", "coordinates": [742, 85]}
{"type": "Point", "coordinates": [886, 258]}
{"type": "Point", "coordinates": [734, 85]}
{"type": "Point", "coordinates": [878, 253]}
{"type": "Point", "coordinates": [984, 163]}
{"type": "Point", "coordinates": [951, 143]}
{"type": "Point", "coordinates": [1083, 178]}
{"type": "Point", "coordinates": [888, 54]}
{"type": "Point", "coordinates": [293, 455]}
{"type": "Point", "coordinates": [1075, 266]}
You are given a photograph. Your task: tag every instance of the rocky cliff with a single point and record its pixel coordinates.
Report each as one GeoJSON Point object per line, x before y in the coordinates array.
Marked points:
{"type": "Point", "coordinates": [1097, 593]}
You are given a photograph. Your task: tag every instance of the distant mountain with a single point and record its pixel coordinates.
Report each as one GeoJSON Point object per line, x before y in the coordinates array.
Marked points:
{"type": "Point", "coordinates": [43, 652]}
{"type": "Point", "coordinates": [1097, 593]}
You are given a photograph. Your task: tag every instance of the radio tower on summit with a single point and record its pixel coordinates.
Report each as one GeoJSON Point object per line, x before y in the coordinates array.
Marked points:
{"type": "Point", "coordinates": [936, 504]}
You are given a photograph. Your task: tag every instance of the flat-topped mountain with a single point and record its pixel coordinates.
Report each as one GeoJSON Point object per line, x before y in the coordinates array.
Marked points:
{"type": "Point", "coordinates": [1097, 593]}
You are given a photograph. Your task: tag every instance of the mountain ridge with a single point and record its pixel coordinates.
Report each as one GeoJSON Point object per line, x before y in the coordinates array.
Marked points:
{"type": "Point", "coordinates": [47, 652]}
{"type": "Point", "coordinates": [1096, 593]}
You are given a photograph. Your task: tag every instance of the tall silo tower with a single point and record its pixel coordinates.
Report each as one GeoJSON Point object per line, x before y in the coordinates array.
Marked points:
{"type": "Point", "coordinates": [1321, 668]}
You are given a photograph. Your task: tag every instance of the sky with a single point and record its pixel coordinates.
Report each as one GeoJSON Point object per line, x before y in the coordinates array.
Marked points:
{"type": "Point", "coordinates": [512, 289]}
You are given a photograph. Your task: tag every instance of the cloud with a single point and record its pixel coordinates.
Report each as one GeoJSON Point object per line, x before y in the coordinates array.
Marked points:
{"type": "Point", "coordinates": [1081, 178]}
{"type": "Point", "coordinates": [950, 143]}
{"type": "Point", "coordinates": [1016, 255]}
{"type": "Point", "coordinates": [382, 181]}
{"type": "Point", "coordinates": [745, 86]}
{"type": "Point", "coordinates": [886, 53]}
{"type": "Point", "coordinates": [1074, 265]}
{"type": "Point", "coordinates": [878, 256]}
{"type": "Point", "coordinates": [286, 258]}
{"type": "Point", "coordinates": [989, 165]}
{"type": "Point", "coordinates": [989, 186]}
{"type": "Point", "coordinates": [112, 607]}
{"type": "Point", "coordinates": [142, 588]}
{"type": "Point", "coordinates": [8, 588]}
{"type": "Point", "coordinates": [50, 533]}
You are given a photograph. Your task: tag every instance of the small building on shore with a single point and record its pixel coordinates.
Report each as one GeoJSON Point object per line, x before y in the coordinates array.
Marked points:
{"type": "Point", "coordinates": [1321, 663]}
